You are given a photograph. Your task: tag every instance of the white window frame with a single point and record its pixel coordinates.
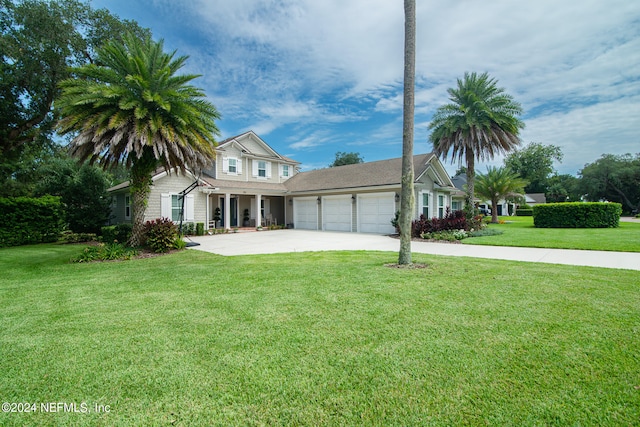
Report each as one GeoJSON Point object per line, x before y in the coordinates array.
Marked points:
{"type": "Point", "coordinates": [256, 169]}
{"type": "Point", "coordinates": [428, 205]}
{"type": "Point", "coordinates": [233, 165]}
{"type": "Point", "coordinates": [284, 171]}
{"type": "Point", "coordinates": [167, 208]}
{"type": "Point", "coordinates": [226, 165]}
{"type": "Point", "coordinates": [441, 204]}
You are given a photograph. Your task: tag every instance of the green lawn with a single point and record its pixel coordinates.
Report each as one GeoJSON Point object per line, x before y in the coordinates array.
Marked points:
{"type": "Point", "coordinates": [329, 338]}
{"type": "Point", "coordinates": [519, 231]}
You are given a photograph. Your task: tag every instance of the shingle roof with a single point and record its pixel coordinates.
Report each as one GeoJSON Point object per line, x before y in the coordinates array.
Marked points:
{"type": "Point", "coordinates": [370, 174]}
{"type": "Point", "coordinates": [249, 185]}
{"type": "Point", "coordinates": [538, 197]}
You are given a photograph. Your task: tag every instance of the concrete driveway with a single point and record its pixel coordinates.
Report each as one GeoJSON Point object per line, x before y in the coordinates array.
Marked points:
{"type": "Point", "coordinates": [281, 241]}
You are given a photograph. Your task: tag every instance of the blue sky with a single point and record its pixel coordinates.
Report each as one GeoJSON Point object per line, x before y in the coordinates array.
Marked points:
{"type": "Point", "coordinates": [316, 77]}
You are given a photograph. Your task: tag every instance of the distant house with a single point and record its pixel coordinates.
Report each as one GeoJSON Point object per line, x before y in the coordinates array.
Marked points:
{"type": "Point", "coordinates": [533, 199]}
{"type": "Point", "coordinates": [249, 176]}
{"type": "Point", "coordinates": [504, 207]}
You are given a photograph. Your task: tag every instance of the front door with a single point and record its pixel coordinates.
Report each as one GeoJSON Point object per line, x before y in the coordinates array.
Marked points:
{"type": "Point", "coordinates": [233, 206]}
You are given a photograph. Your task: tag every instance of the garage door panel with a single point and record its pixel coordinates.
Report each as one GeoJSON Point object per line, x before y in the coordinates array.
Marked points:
{"type": "Point", "coordinates": [305, 215]}
{"type": "Point", "coordinates": [375, 213]}
{"type": "Point", "coordinates": [336, 213]}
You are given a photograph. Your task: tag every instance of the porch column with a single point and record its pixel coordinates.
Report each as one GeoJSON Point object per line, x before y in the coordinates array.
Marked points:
{"type": "Point", "coordinates": [259, 210]}
{"type": "Point", "coordinates": [227, 211]}
{"type": "Point", "coordinates": [208, 213]}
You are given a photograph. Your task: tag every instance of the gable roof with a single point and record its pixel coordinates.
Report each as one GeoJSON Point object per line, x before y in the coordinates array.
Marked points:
{"type": "Point", "coordinates": [359, 175]}
{"type": "Point", "coordinates": [238, 141]}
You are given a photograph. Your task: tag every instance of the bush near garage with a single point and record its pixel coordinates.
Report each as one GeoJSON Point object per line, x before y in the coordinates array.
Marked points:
{"type": "Point", "coordinates": [453, 220]}
{"type": "Point", "coordinates": [577, 215]}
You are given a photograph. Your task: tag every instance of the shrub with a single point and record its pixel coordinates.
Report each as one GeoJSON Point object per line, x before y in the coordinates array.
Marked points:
{"type": "Point", "coordinates": [69, 236]}
{"type": "Point", "coordinates": [577, 215]}
{"type": "Point", "coordinates": [188, 229]}
{"type": "Point", "coordinates": [448, 235]}
{"type": "Point", "coordinates": [116, 233]}
{"type": "Point", "coordinates": [161, 234]}
{"type": "Point", "coordinates": [179, 244]}
{"type": "Point", "coordinates": [105, 252]}
{"type": "Point", "coordinates": [452, 221]}
{"type": "Point", "coordinates": [200, 229]}
{"type": "Point", "coordinates": [28, 220]}
{"type": "Point", "coordinates": [485, 232]}
{"type": "Point", "coordinates": [394, 222]}
{"type": "Point", "coordinates": [524, 212]}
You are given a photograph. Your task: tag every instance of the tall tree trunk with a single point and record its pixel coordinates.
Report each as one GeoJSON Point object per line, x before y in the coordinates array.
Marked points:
{"type": "Point", "coordinates": [407, 198]}
{"type": "Point", "coordinates": [470, 207]}
{"type": "Point", "coordinates": [494, 211]}
{"type": "Point", "coordinates": [141, 174]}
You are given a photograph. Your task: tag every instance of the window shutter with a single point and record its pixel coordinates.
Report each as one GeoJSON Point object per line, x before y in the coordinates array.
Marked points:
{"type": "Point", "coordinates": [189, 208]}
{"type": "Point", "coordinates": [225, 164]}
{"type": "Point", "coordinates": [165, 206]}
{"type": "Point", "coordinates": [254, 163]}
{"type": "Point", "coordinates": [268, 166]}
{"type": "Point", "coordinates": [239, 165]}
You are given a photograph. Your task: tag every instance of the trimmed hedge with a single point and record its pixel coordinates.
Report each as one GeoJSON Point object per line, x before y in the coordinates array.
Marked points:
{"type": "Point", "coordinates": [116, 233]}
{"type": "Point", "coordinates": [577, 215]}
{"type": "Point", "coordinates": [27, 220]}
{"type": "Point", "coordinates": [524, 212]}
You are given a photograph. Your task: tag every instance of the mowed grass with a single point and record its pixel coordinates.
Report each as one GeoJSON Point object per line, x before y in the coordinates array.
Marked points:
{"type": "Point", "coordinates": [519, 231]}
{"type": "Point", "coordinates": [331, 338]}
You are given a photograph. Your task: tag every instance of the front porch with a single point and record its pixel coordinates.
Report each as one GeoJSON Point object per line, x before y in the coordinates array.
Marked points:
{"type": "Point", "coordinates": [243, 210]}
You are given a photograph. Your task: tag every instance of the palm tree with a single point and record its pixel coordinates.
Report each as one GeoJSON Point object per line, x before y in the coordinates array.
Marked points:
{"type": "Point", "coordinates": [131, 108]}
{"type": "Point", "coordinates": [480, 122]}
{"type": "Point", "coordinates": [499, 183]}
{"type": "Point", "coordinates": [407, 201]}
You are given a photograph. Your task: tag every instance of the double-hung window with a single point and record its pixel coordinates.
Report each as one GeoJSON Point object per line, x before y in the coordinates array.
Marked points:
{"type": "Point", "coordinates": [285, 171]}
{"type": "Point", "coordinates": [233, 165]}
{"type": "Point", "coordinates": [425, 205]}
{"type": "Point", "coordinates": [440, 206]}
{"type": "Point", "coordinates": [262, 169]}
{"type": "Point", "coordinates": [176, 207]}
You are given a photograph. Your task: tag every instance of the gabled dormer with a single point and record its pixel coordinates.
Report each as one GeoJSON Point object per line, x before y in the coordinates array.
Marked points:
{"type": "Point", "coordinates": [247, 157]}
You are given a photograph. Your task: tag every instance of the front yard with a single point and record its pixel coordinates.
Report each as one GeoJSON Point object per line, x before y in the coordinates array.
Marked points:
{"type": "Point", "coordinates": [331, 338]}
{"type": "Point", "coordinates": [519, 231]}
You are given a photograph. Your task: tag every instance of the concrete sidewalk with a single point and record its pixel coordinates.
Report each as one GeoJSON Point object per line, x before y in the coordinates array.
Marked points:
{"type": "Point", "coordinates": [281, 241]}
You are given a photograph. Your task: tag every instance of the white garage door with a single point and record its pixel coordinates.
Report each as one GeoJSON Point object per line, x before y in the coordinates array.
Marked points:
{"type": "Point", "coordinates": [375, 212]}
{"type": "Point", "coordinates": [336, 213]}
{"type": "Point", "coordinates": [305, 213]}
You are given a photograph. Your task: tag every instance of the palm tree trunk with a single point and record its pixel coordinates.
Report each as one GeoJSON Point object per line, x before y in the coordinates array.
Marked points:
{"type": "Point", "coordinates": [494, 211]}
{"type": "Point", "coordinates": [141, 174]}
{"type": "Point", "coordinates": [470, 207]}
{"type": "Point", "coordinates": [407, 197]}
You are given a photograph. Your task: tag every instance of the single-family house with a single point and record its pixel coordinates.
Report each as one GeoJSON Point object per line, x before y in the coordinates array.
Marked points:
{"type": "Point", "coordinates": [251, 184]}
